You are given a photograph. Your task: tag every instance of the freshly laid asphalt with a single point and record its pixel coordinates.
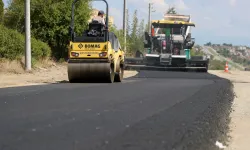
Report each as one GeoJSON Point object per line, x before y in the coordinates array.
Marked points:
{"type": "Point", "coordinates": [151, 111]}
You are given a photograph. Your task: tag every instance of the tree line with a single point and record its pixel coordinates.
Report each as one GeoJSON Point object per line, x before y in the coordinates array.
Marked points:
{"type": "Point", "coordinates": [1, 10]}
{"type": "Point", "coordinates": [50, 22]}
{"type": "Point", "coordinates": [134, 33]}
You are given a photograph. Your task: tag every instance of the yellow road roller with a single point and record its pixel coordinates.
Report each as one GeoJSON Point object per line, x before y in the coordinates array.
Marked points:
{"type": "Point", "coordinates": [96, 55]}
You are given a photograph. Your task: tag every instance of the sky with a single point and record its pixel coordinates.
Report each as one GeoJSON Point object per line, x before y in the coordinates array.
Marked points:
{"type": "Point", "coordinates": [217, 21]}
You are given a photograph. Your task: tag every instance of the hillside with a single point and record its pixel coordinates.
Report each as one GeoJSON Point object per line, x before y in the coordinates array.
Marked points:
{"type": "Point", "coordinates": [217, 56]}
{"type": "Point", "coordinates": [237, 56]}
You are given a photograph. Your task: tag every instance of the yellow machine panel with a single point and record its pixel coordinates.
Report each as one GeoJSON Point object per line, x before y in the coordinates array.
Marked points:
{"type": "Point", "coordinates": [90, 50]}
{"type": "Point", "coordinates": [170, 22]}
{"type": "Point", "coordinates": [89, 46]}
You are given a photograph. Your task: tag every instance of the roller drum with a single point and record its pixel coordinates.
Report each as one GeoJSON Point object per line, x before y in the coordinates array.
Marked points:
{"type": "Point", "coordinates": [91, 72]}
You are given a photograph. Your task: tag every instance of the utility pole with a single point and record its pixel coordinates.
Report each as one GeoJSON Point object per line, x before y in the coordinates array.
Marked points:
{"type": "Point", "coordinates": [149, 21]}
{"type": "Point", "coordinates": [124, 24]}
{"type": "Point", "coordinates": [149, 18]}
{"type": "Point", "coordinates": [27, 36]}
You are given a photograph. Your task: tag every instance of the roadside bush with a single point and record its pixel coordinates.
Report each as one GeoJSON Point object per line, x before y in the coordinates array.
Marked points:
{"type": "Point", "coordinates": [12, 45]}
{"type": "Point", "coordinates": [216, 65]}
{"type": "Point", "coordinates": [50, 21]}
{"type": "Point", "coordinates": [39, 49]}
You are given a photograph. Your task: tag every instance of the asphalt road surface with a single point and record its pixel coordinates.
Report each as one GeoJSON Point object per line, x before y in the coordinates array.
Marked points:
{"type": "Point", "coordinates": [152, 111]}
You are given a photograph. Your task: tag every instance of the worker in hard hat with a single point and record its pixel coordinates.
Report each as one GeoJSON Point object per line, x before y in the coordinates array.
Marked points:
{"type": "Point", "coordinates": [99, 17]}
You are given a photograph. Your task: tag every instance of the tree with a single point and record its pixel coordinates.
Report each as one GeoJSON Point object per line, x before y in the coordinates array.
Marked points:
{"type": "Point", "coordinates": [127, 30]}
{"type": "Point", "coordinates": [134, 32]}
{"type": "Point", "coordinates": [119, 34]}
{"type": "Point", "coordinates": [50, 21]}
{"type": "Point", "coordinates": [146, 28]}
{"type": "Point", "coordinates": [140, 38]}
{"type": "Point", "coordinates": [14, 17]}
{"type": "Point", "coordinates": [208, 44]}
{"type": "Point", "coordinates": [1, 10]}
{"type": "Point", "coordinates": [127, 22]}
{"type": "Point", "coordinates": [171, 10]}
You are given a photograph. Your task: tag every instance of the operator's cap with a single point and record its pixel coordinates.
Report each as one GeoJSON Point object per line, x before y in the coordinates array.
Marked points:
{"type": "Point", "coordinates": [101, 12]}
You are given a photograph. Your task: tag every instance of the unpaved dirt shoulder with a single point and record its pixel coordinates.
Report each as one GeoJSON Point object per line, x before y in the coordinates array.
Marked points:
{"type": "Point", "coordinates": [39, 76]}
{"type": "Point", "coordinates": [240, 124]}
{"type": "Point", "coordinates": [240, 117]}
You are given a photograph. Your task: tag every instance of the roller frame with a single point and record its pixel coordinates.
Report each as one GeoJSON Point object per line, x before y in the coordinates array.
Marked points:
{"type": "Point", "coordinates": [94, 69]}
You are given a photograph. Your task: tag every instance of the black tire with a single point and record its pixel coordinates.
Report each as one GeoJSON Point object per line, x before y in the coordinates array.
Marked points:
{"type": "Point", "coordinates": [119, 74]}
{"type": "Point", "coordinates": [111, 77]}
{"type": "Point", "coordinates": [72, 81]}
{"type": "Point", "coordinates": [206, 68]}
{"type": "Point", "coordinates": [70, 78]}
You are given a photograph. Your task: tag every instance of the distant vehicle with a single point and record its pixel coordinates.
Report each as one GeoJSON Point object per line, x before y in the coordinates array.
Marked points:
{"type": "Point", "coordinates": [169, 45]}
{"type": "Point", "coordinates": [96, 55]}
